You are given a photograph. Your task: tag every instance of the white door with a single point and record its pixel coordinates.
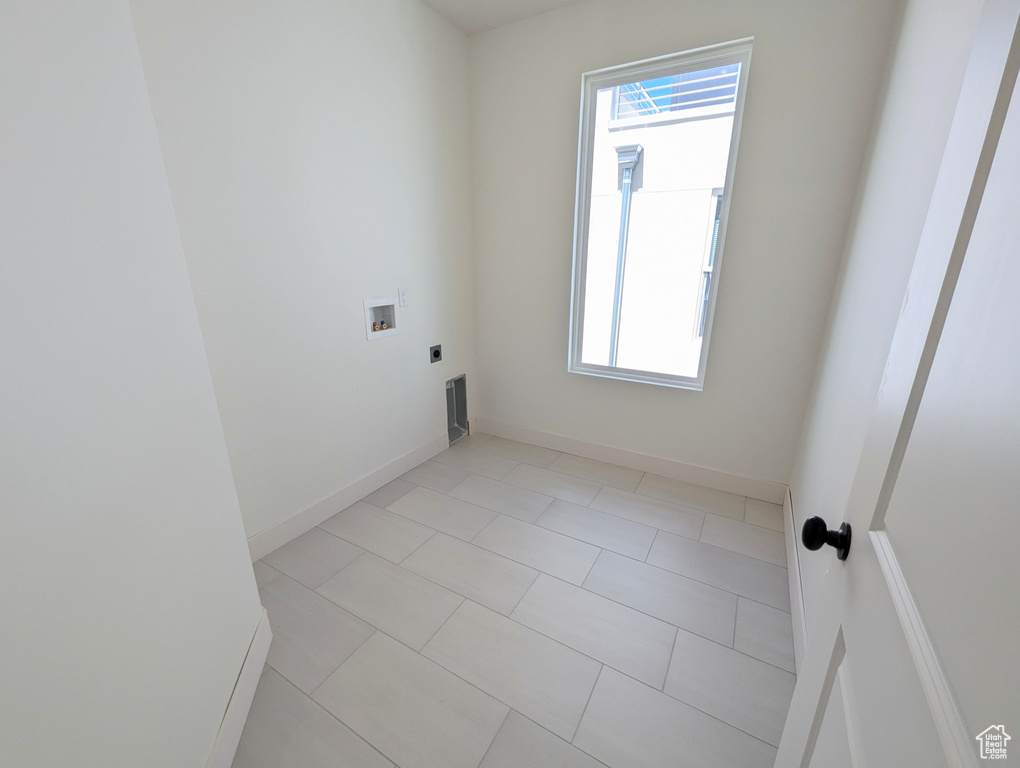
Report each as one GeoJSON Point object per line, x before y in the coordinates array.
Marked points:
{"type": "Point", "coordinates": [912, 654]}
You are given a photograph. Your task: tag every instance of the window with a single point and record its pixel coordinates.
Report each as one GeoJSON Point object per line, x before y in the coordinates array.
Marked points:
{"type": "Point", "coordinates": [655, 164]}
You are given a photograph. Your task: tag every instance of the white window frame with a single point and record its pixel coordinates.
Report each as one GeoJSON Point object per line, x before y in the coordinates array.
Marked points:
{"type": "Point", "coordinates": [738, 51]}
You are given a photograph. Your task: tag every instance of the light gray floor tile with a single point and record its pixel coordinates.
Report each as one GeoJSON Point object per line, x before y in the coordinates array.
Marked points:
{"type": "Point", "coordinates": [378, 531]}
{"type": "Point", "coordinates": [540, 678]}
{"type": "Point", "coordinates": [522, 452]}
{"type": "Point", "coordinates": [744, 692]}
{"type": "Point", "coordinates": [286, 728]}
{"type": "Point", "coordinates": [475, 439]}
{"type": "Point", "coordinates": [435, 476]}
{"type": "Point", "coordinates": [751, 540]}
{"type": "Point", "coordinates": [444, 513]}
{"type": "Point", "coordinates": [411, 709]}
{"type": "Point", "coordinates": [402, 604]}
{"type": "Point", "coordinates": [263, 573]}
{"type": "Point", "coordinates": [629, 725]}
{"type": "Point", "coordinates": [742, 575]}
{"type": "Point", "coordinates": [501, 497]}
{"type": "Point", "coordinates": [682, 521]}
{"type": "Point", "coordinates": [560, 639]}
{"type": "Point", "coordinates": [598, 528]}
{"type": "Point", "coordinates": [765, 633]}
{"type": "Point", "coordinates": [555, 484]}
{"type": "Point", "coordinates": [547, 551]}
{"type": "Point", "coordinates": [625, 639]}
{"type": "Point", "coordinates": [522, 744]}
{"type": "Point", "coordinates": [311, 635]}
{"type": "Point", "coordinates": [597, 471]}
{"type": "Point", "coordinates": [476, 573]}
{"type": "Point", "coordinates": [389, 493]}
{"type": "Point", "coordinates": [764, 514]}
{"type": "Point", "coordinates": [689, 495]}
{"type": "Point", "coordinates": [475, 462]}
{"type": "Point", "coordinates": [313, 557]}
{"type": "Point", "coordinates": [686, 603]}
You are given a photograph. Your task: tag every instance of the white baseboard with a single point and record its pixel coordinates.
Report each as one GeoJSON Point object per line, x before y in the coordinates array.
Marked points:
{"type": "Point", "coordinates": [796, 584]}
{"type": "Point", "coordinates": [234, 718]}
{"type": "Point", "coordinates": [264, 542]}
{"type": "Point", "coordinates": [765, 490]}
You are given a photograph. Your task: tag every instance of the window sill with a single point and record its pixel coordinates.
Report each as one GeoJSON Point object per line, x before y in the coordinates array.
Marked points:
{"type": "Point", "coordinates": [641, 377]}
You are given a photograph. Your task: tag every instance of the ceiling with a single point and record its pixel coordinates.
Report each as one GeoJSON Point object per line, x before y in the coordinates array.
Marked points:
{"type": "Point", "coordinates": [472, 16]}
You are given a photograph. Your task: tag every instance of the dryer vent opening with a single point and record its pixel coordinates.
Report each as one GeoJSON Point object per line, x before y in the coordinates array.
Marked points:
{"type": "Point", "coordinates": [456, 408]}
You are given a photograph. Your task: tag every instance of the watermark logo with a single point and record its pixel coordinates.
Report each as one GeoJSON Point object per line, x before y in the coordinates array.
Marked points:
{"type": "Point", "coordinates": [993, 743]}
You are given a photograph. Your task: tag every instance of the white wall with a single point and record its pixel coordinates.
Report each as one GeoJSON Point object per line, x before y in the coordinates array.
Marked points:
{"type": "Point", "coordinates": [910, 135]}
{"type": "Point", "coordinates": [813, 83]}
{"type": "Point", "coordinates": [317, 156]}
{"type": "Point", "coordinates": [126, 596]}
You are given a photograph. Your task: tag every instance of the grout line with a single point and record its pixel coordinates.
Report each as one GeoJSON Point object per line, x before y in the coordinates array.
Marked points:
{"type": "Point", "coordinates": [585, 710]}
{"type": "Point", "coordinates": [530, 567]}
{"type": "Point", "coordinates": [552, 639]}
{"type": "Point", "coordinates": [473, 472]}
{"type": "Point", "coordinates": [557, 736]}
{"type": "Point", "coordinates": [522, 599]}
{"type": "Point", "coordinates": [591, 568]}
{"type": "Point", "coordinates": [500, 478]}
{"type": "Point", "coordinates": [672, 650]}
{"type": "Point", "coordinates": [644, 613]}
{"type": "Point", "coordinates": [333, 534]}
{"type": "Point", "coordinates": [620, 517]}
{"type": "Point", "coordinates": [518, 462]}
{"type": "Point", "coordinates": [482, 690]}
{"type": "Point", "coordinates": [496, 734]}
{"type": "Point", "coordinates": [401, 563]}
{"type": "Point", "coordinates": [674, 626]}
{"type": "Point", "coordinates": [649, 553]}
{"type": "Point", "coordinates": [487, 526]}
{"type": "Point", "coordinates": [277, 571]}
{"type": "Point", "coordinates": [328, 712]}
{"type": "Point", "coordinates": [584, 653]}
{"type": "Point", "coordinates": [467, 597]}
{"type": "Point", "coordinates": [729, 648]}
{"type": "Point", "coordinates": [718, 719]}
{"type": "Point", "coordinates": [692, 510]}
{"type": "Point", "coordinates": [424, 657]}
{"type": "Point", "coordinates": [609, 514]}
{"type": "Point", "coordinates": [583, 541]}
{"type": "Point", "coordinates": [333, 671]}
{"type": "Point", "coordinates": [728, 552]}
{"type": "Point", "coordinates": [429, 640]}
{"type": "Point", "coordinates": [511, 486]}
{"type": "Point", "coordinates": [364, 552]}
{"type": "Point", "coordinates": [602, 487]}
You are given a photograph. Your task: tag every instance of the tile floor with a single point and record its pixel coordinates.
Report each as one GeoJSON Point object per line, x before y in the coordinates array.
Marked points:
{"type": "Point", "coordinates": [508, 605]}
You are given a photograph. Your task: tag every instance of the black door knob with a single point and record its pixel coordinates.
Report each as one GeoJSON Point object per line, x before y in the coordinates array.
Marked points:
{"type": "Point", "coordinates": [816, 534]}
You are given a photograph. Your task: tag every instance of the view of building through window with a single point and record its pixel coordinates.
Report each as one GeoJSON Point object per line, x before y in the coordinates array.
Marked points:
{"type": "Point", "coordinates": [659, 152]}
